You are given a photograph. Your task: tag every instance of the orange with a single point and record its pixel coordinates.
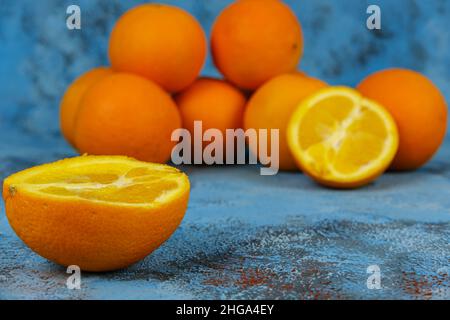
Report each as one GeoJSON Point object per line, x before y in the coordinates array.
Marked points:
{"type": "Point", "coordinates": [161, 42]}
{"type": "Point", "coordinates": [253, 41]}
{"type": "Point", "coordinates": [100, 213]}
{"type": "Point", "coordinates": [71, 100]}
{"type": "Point", "coordinates": [273, 104]}
{"type": "Point", "coordinates": [341, 139]}
{"type": "Point", "coordinates": [125, 114]}
{"type": "Point", "coordinates": [216, 103]}
{"type": "Point", "coordinates": [419, 109]}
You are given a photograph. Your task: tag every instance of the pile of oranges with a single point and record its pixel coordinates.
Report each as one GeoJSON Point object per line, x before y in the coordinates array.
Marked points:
{"type": "Point", "coordinates": [341, 137]}
{"type": "Point", "coordinates": [105, 211]}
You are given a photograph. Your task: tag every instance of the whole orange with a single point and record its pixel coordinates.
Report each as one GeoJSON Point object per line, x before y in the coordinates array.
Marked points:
{"type": "Point", "coordinates": [216, 103]}
{"type": "Point", "coordinates": [125, 114]}
{"type": "Point", "coordinates": [161, 42]}
{"type": "Point", "coordinates": [72, 97]}
{"type": "Point", "coordinates": [272, 105]}
{"type": "Point", "coordinates": [419, 109]}
{"type": "Point", "coordinates": [255, 40]}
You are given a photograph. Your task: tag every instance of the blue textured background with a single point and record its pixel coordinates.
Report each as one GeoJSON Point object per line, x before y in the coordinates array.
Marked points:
{"type": "Point", "coordinates": [244, 236]}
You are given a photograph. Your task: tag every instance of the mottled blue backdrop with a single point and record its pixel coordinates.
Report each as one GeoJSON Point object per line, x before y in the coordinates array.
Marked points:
{"type": "Point", "coordinates": [244, 236]}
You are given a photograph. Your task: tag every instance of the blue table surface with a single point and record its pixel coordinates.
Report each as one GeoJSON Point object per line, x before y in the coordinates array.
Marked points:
{"type": "Point", "coordinates": [249, 236]}
{"type": "Point", "coordinates": [244, 235]}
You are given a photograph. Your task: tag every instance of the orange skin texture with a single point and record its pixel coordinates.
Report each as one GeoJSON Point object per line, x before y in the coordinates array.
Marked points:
{"type": "Point", "coordinates": [72, 97]}
{"type": "Point", "coordinates": [96, 237]}
{"type": "Point", "coordinates": [253, 41]}
{"type": "Point", "coordinates": [273, 104]}
{"type": "Point", "coordinates": [418, 108]}
{"type": "Point", "coordinates": [160, 42]}
{"type": "Point", "coordinates": [218, 104]}
{"type": "Point", "coordinates": [125, 114]}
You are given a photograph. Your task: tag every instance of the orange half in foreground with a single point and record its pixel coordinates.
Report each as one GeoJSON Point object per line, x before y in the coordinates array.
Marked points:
{"type": "Point", "coordinates": [100, 213]}
{"type": "Point", "coordinates": [341, 139]}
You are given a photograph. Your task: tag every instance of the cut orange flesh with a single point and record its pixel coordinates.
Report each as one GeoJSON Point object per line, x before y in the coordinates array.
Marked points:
{"type": "Point", "coordinates": [98, 212]}
{"type": "Point", "coordinates": [116, 181]}
{"type": "Point", "coordinates": [342, 139]}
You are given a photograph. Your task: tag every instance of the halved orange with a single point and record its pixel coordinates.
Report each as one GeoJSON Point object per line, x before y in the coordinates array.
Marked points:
{"type": "Point", "coordinates": [97, 212]}
{"type": "Point", "coordinates": [341, 139]}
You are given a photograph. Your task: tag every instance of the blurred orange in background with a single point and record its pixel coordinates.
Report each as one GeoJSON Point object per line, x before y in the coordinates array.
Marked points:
{"type": "Point", "coordinates": [160, 42]}
{"type": "Point", "coordinates": [72, 98]}
{"type": "Point", "coordinates": [272, 105]}
{"type": "Point", "coordinates": [125, 114]}
{"type": "Point", "coordinates": [418, 108]}
{"type": "Point", "coordinates": [253, 41]}
{"type": "Point", "coordinates": [217, 103]}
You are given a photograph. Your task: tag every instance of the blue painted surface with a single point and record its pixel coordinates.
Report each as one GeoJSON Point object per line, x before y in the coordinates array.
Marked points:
{"type": "Point", "coordinates": [244, 236]}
